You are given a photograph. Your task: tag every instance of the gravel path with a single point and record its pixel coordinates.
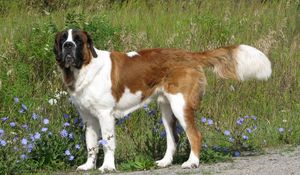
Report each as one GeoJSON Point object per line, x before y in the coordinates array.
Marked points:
{"type": "Point", "coordinates": [285, 161]}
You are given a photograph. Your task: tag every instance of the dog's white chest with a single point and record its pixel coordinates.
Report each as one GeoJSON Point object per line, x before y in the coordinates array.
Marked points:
{"type": "Point", "coordinates": [93, 89]}
{"type": "Point", "coordinates": [92, 100]}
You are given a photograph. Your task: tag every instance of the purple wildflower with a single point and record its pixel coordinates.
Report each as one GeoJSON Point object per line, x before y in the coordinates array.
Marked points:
{"type": "Point", "coordinates": [64, 133]}
{"type": "Point", "coordinates": [254, 128]}
{"type": "Point", "coordinates": [12, 124]}
{"type": "Point", "coordinates": [66, 124]}
{"type": "Point", "coordinates": [81, 124]}
{"type": "Point", "coordinates": [71, 157]}
{"type": "Point", "coordinates": [24, 141]}
{"type": "Point", "coordinates": [66, 116]}
{"type": "Point", "coordinates": [203, 119]}
{"type": "Point", "coordinates": [76, 120]}
{"type": "Point", "coordinates": [1, 132]}
{"type": "Point", "coordinates": [146, 107]}
{"type": "Point", "coordinates": [102, 142]}
{"type": "Point", "coordinates": [160, 121]}
{"type": "Point", "coordinates": [236, 154]}
{"type": "Point", "coordinates": [46, 121]}
{"type": "Point", "coordinates": [32, 137]}
{"type": "Point", "coordinates": [210, 122]}
{"type": "Point", "coordinates": [179, 129]}
{"type": "Point", "coordinates": [23, 156]}
{"type": "Point", "coordinates": [30, 147]}
{"type": "Point", "coordinates": [227, 132]}
{"type": "Point", "coordinates": [71, 136]}
{"type": "Point", "coordinates": [3, 142]}
{"type": "Point", "coordinates": [240, 121]}
{"type": "Point", "coordinates": [16, 99]}
{"type": "Point", "coordinates": [120, 121]}
{"type": "Point", "coordinates": [245, 137]}
{"type": "Point", "coordinates": [249, 130]}
{"type": "Point", "coordinates": [34, 116]}
{"type": "Point", "coordinates": [77, 146]}
{"type": "Point", "coordinates": [4, 119]}
{"type": "Point", "coordinates": [281, 130]}
{"type": "Point", "coordinates": [37, 136]}
{"type": "Point", "coordinates": [217, 148]}
{"type": "Point", "coordinates": [67, 152]}
{"type": "Point", "coordinates": [44, 129]}
{"type": "Point", "coordinates": [231, 139]}
{"type": "Point", "coordinates": [127, 116]}
{"type": "Point", "coordinates": [15, 139]}
{"type": "Point", "coordinates": [25, 126]}
{"type": "Point", "coordinates": [23, 108]}
{"type": "Point", "coordinates": [253, 117]}
{"type": "Point", "coordinates": [163, 134]}
{"type": "Point", "coordinates": [152, 112]}
{"type": "Point", "coordinates": [245, 117]}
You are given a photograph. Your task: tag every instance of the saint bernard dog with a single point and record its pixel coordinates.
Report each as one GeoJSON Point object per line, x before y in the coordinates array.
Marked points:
{"type": "Point", "coordinates": [106, 85]}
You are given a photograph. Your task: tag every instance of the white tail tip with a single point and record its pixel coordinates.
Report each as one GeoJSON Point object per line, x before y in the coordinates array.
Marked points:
{"type": "Point", "coordinates": [252, 63]}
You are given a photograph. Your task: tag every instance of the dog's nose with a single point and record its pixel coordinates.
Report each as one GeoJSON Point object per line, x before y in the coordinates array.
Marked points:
{"type": "Point", "coordinates": [68, 45]}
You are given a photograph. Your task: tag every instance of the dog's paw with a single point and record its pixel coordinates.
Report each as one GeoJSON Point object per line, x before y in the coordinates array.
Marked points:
{"type": "Point", "coordinates": [190, 164]}
{"type": "Point", "coordinates": [86, 166]}
{"type": "Point", "coordinates": [163, 162]}
{"type": "Point", "coordinates": [107, 168]}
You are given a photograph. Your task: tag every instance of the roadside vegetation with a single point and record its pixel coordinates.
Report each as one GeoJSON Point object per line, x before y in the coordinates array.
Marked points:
{"type": "Point", "coordinates": [40, 130]}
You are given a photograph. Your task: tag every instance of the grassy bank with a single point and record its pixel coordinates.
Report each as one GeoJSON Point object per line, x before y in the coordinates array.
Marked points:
{"type": "Point", "coordinates": [28, 71]}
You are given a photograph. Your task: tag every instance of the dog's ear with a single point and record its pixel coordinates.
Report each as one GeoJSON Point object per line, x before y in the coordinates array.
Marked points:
{"type": "Point", "coordinates": [91, 45]}
{"type": "Point", "coordinates": [57, 48]}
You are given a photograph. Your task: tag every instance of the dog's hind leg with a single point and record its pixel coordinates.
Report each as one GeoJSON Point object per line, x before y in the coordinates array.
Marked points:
{"type": "Point", "coordinates": [169, 122]}
{"type": "Point", "coordinates": [185, 117]}
{"type": "Point", "coordinates": [184, 89]}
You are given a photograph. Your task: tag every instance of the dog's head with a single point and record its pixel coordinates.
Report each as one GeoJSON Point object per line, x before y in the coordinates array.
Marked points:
{"type": "Point", "coordinates": [73, 48]}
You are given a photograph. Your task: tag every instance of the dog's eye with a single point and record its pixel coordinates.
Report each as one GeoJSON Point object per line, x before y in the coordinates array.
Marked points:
{"type": "Point", "coordinates": [63, 38]}
{"type": "Point", "coordinates": [78, 40]}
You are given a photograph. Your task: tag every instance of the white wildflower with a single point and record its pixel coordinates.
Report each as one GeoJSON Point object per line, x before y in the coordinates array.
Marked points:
{"type": "Point", "coordinates": [52, 101]}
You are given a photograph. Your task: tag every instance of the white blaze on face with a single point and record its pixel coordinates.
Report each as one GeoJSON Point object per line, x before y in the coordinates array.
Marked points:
{"type": "Point", "coordinates": [70, 37]}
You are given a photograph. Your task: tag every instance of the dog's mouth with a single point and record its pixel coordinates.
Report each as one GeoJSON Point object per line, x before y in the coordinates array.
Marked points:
{"type": "Point", "coordinates": [69, 60]}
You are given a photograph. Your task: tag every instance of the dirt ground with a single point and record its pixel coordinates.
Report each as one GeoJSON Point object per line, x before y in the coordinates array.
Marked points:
{"type": "Point", "coordinates": [283, 161]}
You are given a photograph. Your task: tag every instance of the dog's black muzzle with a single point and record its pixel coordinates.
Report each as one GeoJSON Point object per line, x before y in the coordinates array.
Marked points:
{"type": "Point", "coordinates": [69, 54]}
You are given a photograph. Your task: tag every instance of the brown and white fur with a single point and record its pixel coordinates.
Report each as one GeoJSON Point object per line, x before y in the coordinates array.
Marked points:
{"type": "Point", "coordinates": [106, 85]}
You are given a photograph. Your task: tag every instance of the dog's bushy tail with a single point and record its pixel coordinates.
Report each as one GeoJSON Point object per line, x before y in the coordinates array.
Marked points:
{"type": "Point", "coordinates": [241, 62]}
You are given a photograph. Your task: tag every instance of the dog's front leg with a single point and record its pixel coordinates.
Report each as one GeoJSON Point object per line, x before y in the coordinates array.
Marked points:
{"type": "Point", "coordinates": [107, 124]}
{"type": "Point", "coordinates": [91, 136]}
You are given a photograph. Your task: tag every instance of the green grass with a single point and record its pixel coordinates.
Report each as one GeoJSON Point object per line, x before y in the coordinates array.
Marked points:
{"type": "Point", "coordinates": [28, 71]}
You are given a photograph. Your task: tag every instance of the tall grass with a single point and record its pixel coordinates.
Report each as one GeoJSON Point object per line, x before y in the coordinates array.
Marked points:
{"type": "Point", "coordinates": [28, 71]}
